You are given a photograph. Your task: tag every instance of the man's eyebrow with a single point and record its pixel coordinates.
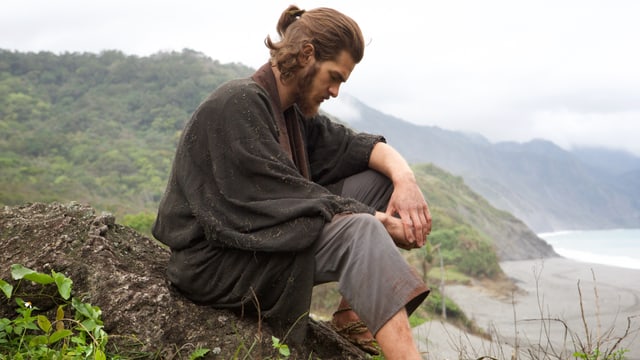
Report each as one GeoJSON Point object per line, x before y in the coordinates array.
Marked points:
{"type": "Point", "coordinates": [338, 75]}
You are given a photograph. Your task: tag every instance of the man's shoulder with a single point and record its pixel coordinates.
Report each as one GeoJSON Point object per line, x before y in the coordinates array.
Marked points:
{"type": "Point", "coordinates": [236, 87]}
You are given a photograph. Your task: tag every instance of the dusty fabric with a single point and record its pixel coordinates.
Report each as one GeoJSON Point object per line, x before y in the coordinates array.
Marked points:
{"type": "Point", "coordinates": [357, 252]}
{"type": "Point", "coordinates": [369, 187]}
{"type": "Point", "coordinates": [240, 216]}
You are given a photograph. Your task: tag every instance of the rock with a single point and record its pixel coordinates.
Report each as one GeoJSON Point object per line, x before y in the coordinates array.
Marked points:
{"type": "Point", "coordinates": [123, 272]}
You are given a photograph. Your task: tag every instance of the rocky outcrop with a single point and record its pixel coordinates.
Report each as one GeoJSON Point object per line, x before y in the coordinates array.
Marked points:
{"type": "Point", "coordinates": [122, 272]}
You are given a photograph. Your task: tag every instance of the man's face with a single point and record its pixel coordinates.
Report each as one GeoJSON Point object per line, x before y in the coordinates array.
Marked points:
{"type": "Point", "coordinates": [319, 81]}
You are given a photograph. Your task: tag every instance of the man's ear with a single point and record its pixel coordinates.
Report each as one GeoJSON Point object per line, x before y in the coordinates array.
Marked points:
{"type": "Point", "coordinates": [307, 53]}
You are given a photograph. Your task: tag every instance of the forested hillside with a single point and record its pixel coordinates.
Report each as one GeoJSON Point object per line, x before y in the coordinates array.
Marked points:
{"type": "Point", "coordinates": [102, 129]}
{"type": "Point", "coordinates": [97, 128]}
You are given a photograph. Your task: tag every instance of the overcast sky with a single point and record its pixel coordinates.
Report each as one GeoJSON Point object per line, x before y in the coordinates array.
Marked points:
{"type": "Point", "coordinates": [563, 70]}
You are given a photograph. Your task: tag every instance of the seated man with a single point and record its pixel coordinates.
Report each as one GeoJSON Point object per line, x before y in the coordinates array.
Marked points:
{"type": "Point", "coordinates": [267, 198]}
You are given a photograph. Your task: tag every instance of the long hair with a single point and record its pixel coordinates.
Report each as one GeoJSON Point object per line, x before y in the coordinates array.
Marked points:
{"type": "Point", "coordinates": [328, 30]}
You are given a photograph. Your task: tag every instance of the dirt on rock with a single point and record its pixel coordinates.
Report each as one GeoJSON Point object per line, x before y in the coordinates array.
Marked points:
{"type": "Point", "coordinates": [123, 273]}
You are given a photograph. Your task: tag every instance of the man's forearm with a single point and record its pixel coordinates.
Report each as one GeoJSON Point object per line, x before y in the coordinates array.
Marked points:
{"type": "Point", "coordinates": [407, 200]}
{"type": "Point", "coordinates": [386, 160]}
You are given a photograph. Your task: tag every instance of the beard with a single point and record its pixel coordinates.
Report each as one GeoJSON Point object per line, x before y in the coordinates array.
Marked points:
{"type": "Point", "coordinates": [305, 103]}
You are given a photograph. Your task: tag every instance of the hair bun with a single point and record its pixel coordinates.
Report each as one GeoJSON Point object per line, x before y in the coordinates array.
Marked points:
{"type": "Point", "coordinates": [296, 13]}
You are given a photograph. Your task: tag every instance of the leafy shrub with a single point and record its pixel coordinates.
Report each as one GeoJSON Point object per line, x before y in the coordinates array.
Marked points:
{"type": "Point", "coordinates": [464, 248]}
{"type": "Point", "coordinates": [34, 336]}
{"type": "Point", "coordinates": [140, 222]}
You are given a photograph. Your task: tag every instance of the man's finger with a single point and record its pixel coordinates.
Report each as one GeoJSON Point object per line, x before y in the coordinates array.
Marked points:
{"type": "Point", "coordinates": [426, 226]}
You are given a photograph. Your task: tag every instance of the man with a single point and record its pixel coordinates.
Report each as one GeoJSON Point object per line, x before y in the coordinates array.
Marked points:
{"type": "Point", "coordinates": [267, 198]}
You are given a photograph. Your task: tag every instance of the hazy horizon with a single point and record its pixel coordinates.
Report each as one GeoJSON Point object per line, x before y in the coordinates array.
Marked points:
{"type": "Point", "coordinates": [510, 71]}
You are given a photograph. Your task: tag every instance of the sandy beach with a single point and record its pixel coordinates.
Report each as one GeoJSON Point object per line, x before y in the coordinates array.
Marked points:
{"type": "Point", "coordinates": [545, 315]}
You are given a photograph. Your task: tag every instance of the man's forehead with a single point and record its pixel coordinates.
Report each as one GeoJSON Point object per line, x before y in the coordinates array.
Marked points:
{"type": "Point", "coordinates": [342, 66]}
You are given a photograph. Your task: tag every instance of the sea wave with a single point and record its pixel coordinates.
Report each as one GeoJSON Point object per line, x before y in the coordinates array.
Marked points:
{"type": "Point", "coordinates": [557, 233]}
{"type": "Point", "coordinates": [611, 260]}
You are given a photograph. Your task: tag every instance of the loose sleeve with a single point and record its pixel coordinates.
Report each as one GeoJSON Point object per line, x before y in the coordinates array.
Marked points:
{"type": "Point", "coordinates": [241, 186]}
{"type": "Point", "coordinates": [336, 151]}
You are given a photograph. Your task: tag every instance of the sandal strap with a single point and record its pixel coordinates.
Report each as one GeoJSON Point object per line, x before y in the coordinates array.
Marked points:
{"type": "Point", "coordinates": [351, 328]}
{"type": "Point", "coordinates": [341, 310]}
{"type": "Point", "coordinates": [354, 328]}
{"type": "Point", "coordinates": [368, 345]}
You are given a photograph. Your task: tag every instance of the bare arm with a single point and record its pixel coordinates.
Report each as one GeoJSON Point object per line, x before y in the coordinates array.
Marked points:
{"type": "Point", "coordinates": [406, 200]}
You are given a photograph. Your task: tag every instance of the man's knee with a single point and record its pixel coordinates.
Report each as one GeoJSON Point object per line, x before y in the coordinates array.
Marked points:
{"type": "Point", "coordinates": [349, 242]}
{"type": "Point", "coordinates": [366, 231]}
{"type": "Point", "coordinates": [369, 187]}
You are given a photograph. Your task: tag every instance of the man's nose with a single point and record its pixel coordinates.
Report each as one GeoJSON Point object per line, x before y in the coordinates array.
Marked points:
{"type": "Point", "coordinates": [334, 90]}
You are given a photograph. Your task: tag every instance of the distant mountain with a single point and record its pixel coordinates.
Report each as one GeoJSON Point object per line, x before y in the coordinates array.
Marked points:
{"type": "Point", "coordinates": [613, 162]}
{"type": "Point", "coordinates": [547, 187]}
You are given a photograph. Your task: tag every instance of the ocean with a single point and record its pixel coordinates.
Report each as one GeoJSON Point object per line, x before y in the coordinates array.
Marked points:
{"type": "Point", "coordinates": [620, 247]}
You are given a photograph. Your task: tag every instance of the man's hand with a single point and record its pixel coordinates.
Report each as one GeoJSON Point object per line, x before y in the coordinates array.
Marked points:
{"type": "Point", "coordinates": [395, 228]}
{"type": "Point", "coordinates": [409, 204]}
{"type": "Point", "coordinates": [407, 201]}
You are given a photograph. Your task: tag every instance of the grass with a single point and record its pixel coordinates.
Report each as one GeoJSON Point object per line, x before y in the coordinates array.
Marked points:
{"type": "Point", "coordinates": [555, 338]}
{"type": "Point", "coordinates": [452, 275]}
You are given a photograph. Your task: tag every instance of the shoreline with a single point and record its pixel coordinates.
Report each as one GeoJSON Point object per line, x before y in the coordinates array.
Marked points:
{"type": "Point", "coordinates": [548, 289]}
{"type": "Point", "coordinates": [568, 231]}
{"type": "Point", "coordinates": [589, 246]}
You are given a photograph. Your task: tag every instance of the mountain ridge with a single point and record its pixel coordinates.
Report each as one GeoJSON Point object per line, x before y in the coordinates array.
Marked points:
{"type": "Point", "coordinates": [549, 188]}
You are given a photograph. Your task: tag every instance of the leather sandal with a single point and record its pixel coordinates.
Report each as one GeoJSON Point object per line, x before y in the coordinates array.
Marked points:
{"type": "Point", "coordinates": [357, 327]}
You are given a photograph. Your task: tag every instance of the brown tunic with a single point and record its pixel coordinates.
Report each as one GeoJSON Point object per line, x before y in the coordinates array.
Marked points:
{"type": "Point", "coordinates": [246, 198]}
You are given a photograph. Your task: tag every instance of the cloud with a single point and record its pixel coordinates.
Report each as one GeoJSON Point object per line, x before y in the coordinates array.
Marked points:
{"type": "Point", "coordinates": [343, 108]}
{"type": "Point", "coordinates": [571, 129]}
{"type": "Point", "coordinates": [510, 70]}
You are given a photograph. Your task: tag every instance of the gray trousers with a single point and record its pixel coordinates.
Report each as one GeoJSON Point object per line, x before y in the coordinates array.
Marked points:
{"type": "Point", "coordinates": [356, 251]}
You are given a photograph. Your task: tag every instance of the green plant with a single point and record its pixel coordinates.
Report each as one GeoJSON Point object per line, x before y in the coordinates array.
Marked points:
{"type": "Point", "coordinates": [283, 348]}
{"type": "Point", "coordinates": [466, 249]}
{"type": "Point", "coordinates": [416, 320]}
{"type": "Point", "coordinates": [32, 335]}
{"type": "Point", "coordinates": [198, 353]}
{"type": "Point", "coordinates": [596, 355]}
{"type": "Point", "coordinates": [140, 222]}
